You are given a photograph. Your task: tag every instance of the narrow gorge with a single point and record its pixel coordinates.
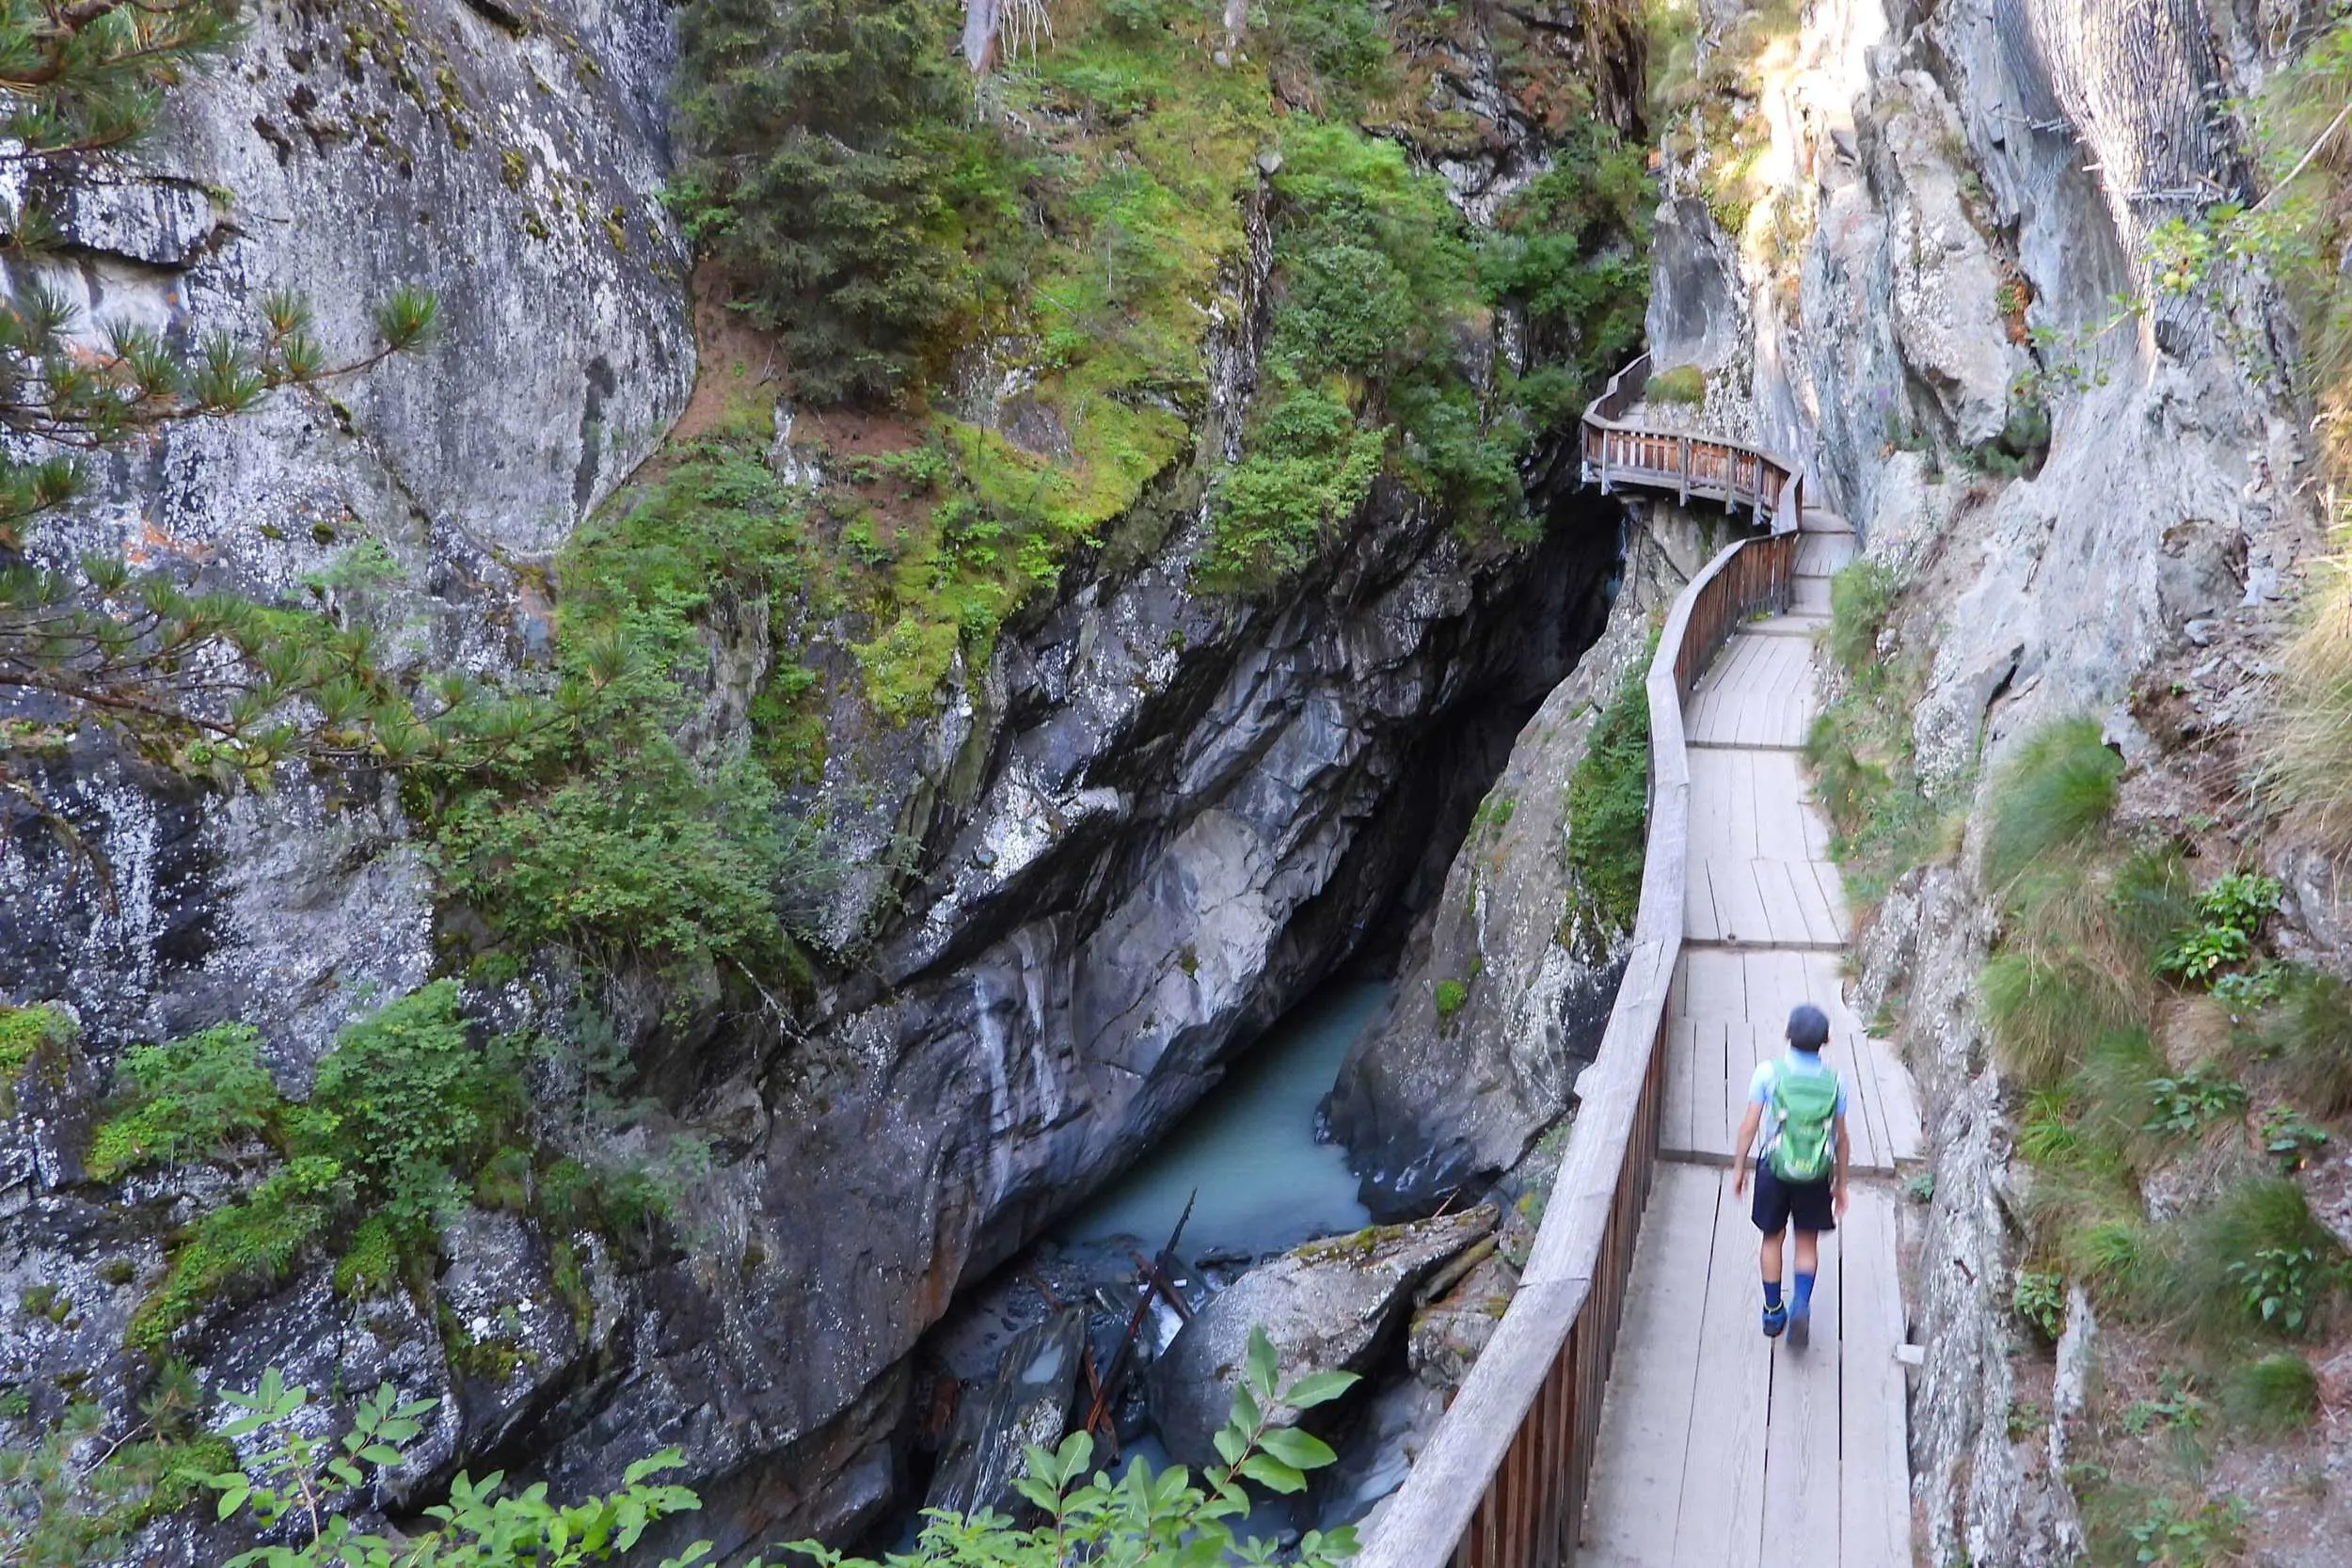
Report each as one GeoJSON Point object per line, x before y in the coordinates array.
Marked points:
{"type": "Point", "coordinates": [823, 737]}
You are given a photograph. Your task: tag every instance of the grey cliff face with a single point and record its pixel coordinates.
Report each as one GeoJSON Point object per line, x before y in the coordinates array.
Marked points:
{"type": "Point", "coordinates": [511, 166]}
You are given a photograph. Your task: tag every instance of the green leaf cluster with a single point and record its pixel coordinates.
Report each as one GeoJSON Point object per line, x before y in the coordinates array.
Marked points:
{"type": "Point", "coordinates": [404, 1107]}
{"type": "Point", "coordinates": [1608, 811]}
{"type": "Point", "coordinates": [1163, 1520]}
{"type": "Point", "coordinates": [76, 1494]}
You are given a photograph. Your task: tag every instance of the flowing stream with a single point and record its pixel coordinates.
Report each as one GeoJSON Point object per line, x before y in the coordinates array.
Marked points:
{"type": "Point", "coordinates": [1249, 1148]}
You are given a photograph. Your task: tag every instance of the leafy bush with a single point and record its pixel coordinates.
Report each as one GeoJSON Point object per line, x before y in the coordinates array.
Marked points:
{"type": "Point", "coordinates": [1607, 809]}
{"type": "Point", "coordinates": [1682, 384]}
{"type": "Point", "coordinates": [1142, 1518]}
{"type": "Point", "coordinates": [405, 1100]}
{"type": "Point", "coordinates": [184, 1102]}
{"type": "Point", "coordinates": [2205, 1536]}
{"type": "Point", "coordinates": [1449, 996]}
{"type": "Point", "coordinates": [2058, 789]}
{"type": "Point", "coordinates": [1306, 468]}
{"type": "Point", "coordinates": [2254, 1258]}
{"type": "Point", "coordinates": [2183, 1106]}
{"type": "Point", "coordinates": [2039, 1299]}
{"type": "Point", "coordinates": [26, 1033]}
{"type": "Point", "coordinates": [2230, 914]}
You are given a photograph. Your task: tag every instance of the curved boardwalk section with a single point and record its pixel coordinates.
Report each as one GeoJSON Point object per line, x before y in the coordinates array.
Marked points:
{"type": "Point", "coordinates": [1719, 1447]}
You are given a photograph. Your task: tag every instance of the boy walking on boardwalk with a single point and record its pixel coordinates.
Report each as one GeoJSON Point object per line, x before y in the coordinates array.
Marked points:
{"type": "Point", "coordinates": [1800, 1102]}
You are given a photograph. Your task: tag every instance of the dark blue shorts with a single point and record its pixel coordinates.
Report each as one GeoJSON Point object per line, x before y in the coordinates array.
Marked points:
{"type": "Point", "coordinates": [1780, 1204]}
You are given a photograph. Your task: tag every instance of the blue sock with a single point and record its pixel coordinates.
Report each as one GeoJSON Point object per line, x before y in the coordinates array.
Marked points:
{"type": "Point", "coordinates": [1804, 1291]}
{"type": "Point", "coordinates": [1772, 1294]}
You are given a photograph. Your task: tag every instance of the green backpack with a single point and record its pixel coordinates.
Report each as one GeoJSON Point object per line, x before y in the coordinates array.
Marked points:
{"type": "Point", "coordinates": [1803, 1104]}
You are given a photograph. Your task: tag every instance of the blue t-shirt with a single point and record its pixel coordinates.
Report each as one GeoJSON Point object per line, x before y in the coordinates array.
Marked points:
{"type": "Point", "coordinates": [1803, 1063]}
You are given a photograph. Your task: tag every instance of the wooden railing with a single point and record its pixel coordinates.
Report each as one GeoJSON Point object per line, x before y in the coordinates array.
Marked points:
{"type": "Point", "coordinates": [1501, 1482]}
{"type": "Point", "coordinates": [1616, 452]}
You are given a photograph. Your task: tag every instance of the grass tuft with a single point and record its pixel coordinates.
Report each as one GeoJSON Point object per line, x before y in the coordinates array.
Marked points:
{"type": "Point", "coordinates": [2058, 790]}
{"type": "Point", "coordinates": [2274, 1396]}
{"type": "Point", "coordinates": [2309, 1035]}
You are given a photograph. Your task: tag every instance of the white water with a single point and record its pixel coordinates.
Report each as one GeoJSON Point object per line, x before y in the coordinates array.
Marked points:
{"type": "Point", "coordinates": [1250, 1146]}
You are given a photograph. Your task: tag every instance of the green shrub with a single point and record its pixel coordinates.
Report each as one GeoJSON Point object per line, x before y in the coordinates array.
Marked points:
{"type": "Point", "coordinates": [2229, 915]}
{"type": "Point", "coordinates": [824, 142]}
{"type": "Point", "coordinates": [2309, 1035]}
{"type": "Point", "coordinates": [2058, 790]}
{"type": "Point", "coordinates": [1862, 595]}
{"type": "Point", "coordinates": [404, 1100]}
{"type": "Point", "coordinates": [2039, 1299]}
{"type": "Point", "coordinates": [2252, 1259]}
{"type": "Point", "coordinates": [2044, 1011]}
{"type": "Point", "coordinates": [1305, 468]}
{"type": "Point", "coordinates": [2205, 1536]}
{"type": "Point", "coordinates": [2183, 1106]}
{"type": "Point", "coordinates": [2274, 1396]}
{"type": "Point", "coordinates": [1450, 995]}
{"type": "Point", "coordinates": [25, 1034]}
{"type": "Point", "coordinates": [1682, 384]}
{"type": "Point", "coordinates": [1607, 809]}
{"type": "Point", "coordinates": [184, 1102]}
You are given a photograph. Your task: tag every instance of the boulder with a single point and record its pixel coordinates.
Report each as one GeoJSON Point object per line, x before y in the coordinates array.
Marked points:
{"type": "Point", "coordinates": [1027, 1401]}
{"type": "Point", "coordinates": [1326, 1306]}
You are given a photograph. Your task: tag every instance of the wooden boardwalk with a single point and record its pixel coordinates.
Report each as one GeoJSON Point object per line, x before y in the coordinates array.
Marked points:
{"type": "Point", "coordinates": [1719, 1447]}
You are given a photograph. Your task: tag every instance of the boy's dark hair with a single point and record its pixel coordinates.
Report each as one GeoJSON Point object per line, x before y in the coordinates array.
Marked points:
{"type": "Point", "coordinates": [1808, 1027]}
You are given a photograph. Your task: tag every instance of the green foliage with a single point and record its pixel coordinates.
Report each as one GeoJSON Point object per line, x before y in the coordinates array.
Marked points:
{"type": "Point", "coordinates": [253, 1239]}
{"type": "Point", "coordinates": [25, 1034]}
{"type": "Point", "coordinates": [2275, 1394]}
{"type": "Point", "coordinates": [2205, 1536]}
{"type": "Point", "coordinates": [2309, 1037]}
{"type": "Point", "coordinates": [2291, 1142]}
{"type": "Point", "coordinates": [1607, 809]}
{"type": "Point", "coordinates": [185, 1102]}
{"type": "Point", "coordinates": [1450, 995]}
{"type": "Point", "coordinates": [827, 138]}
{"type": "Point", "coordinates": [399, 1110]}
{"type": "Point", "coordinates": [80, 1493]}
{"type": "Point", "coordinates": [1151, 1521]}
{"type": "Point", "coordinates": [2059, 789]}
{"type": "Point", "coordinates": [1681, 384]}
{"type": "Point", "coordinates": [2039, 1299]}
{"type": "Point", "coordinates": [2229, 915]}
{"type": "Point", "coordinates": [1860, 747]}
{"type": "Point", "coordinates": [2183, 1106]}
{"type": "Point", "coordinates": [405, 1100]}
{"type": "Point", "coordinates": [2252, 1259]}
{"type": "Point", "coordinates": [292, 1482]}
{"type": "Point", "coordinates": [1305, 468]}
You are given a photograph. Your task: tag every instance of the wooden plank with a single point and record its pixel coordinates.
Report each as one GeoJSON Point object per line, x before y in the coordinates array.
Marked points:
{"type": "Point", "coordinates": [1677, 1120]}
{"type": "Point", "coordinates": [1717, 1118]}
{"type": "Point", "coordinates": [1645, 1420]}
{"type": "Point", "coordinates": [1722, 1522]}
{"type": "Point", "coordinates": [1874, 1469]}
{"type": "Point", "coordinates": [1801, 1450]}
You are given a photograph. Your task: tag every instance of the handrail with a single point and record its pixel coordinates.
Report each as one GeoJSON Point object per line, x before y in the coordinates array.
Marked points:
{"type": "Point", "coordinates": [1501, 1482]}
{"type": "Point", "coordinates": [1733, 472]}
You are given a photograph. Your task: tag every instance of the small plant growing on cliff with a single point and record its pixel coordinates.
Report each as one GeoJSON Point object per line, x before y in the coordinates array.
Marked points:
{"type": "Point", "coordinates": [2039, 1299]}
{"type": "Point", "coordinates": [1683, 383]}
{"type": "Point", "coordinates": [1608, 808]}
{"type": "Point", "coordinates": [1450, 995]}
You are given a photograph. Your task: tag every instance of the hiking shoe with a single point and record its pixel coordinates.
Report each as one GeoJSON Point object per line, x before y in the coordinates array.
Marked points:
{"type": "Point", "coordinates": [1800, 1326]}
{"type": "Point", "coordinates": [1775, 1319]}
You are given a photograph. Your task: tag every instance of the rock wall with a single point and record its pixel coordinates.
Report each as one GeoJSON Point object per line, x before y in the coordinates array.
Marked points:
{"type": "Point", "coordinates": [1433, 1100]}
{"type": "Point", "coordinates": [1974, 186]}
{"type": "Point", "coordinates": [1152, 821]}
{"type": "Point", "coordinates": [508, 159]}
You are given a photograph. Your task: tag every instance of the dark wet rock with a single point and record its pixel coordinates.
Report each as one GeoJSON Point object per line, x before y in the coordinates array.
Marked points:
{"type": "Point", "coordinates": [1028, 1401]}
{"type": "Point", "coordinates": [1326, 1306]}
{"type": "Point", "coordinates": [1377, 1456]}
